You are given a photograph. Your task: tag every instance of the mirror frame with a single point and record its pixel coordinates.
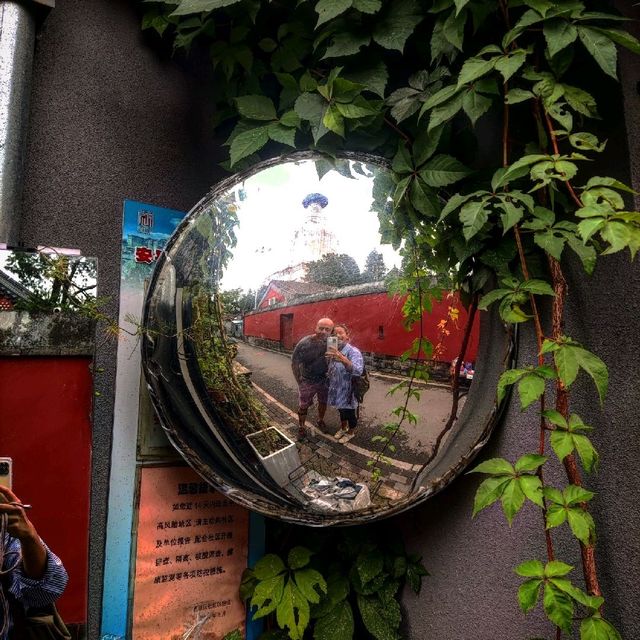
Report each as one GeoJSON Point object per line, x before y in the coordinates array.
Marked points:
{"type": "Point", "coordinates": [208, 451]}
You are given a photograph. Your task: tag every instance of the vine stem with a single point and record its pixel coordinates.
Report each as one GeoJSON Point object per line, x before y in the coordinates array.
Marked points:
{"type": "Point", "coordinates": [587, 551]}
{"type": "Point", "coordinates": [556, 150]}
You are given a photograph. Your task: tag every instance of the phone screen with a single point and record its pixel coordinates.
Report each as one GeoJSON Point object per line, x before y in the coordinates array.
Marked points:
{"type": "Point", "coordinates": [332, 342]}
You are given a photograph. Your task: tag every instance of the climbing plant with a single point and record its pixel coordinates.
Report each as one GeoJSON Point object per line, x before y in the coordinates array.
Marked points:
{"type": "Point", "coordinates": [490, 113]}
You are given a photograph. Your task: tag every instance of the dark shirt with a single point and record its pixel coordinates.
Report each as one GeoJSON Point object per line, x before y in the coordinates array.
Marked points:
{"type": "Point", "coordinates": [310, 359]}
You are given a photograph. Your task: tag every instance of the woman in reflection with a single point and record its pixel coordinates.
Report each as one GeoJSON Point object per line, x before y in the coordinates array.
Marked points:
{"type": "Point", "coordinates": [344, 362]}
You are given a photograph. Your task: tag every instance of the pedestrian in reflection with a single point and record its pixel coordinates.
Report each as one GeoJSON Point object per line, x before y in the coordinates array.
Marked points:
{"type": "Point", "coordinates": [309, 365]}
{"type": "Point", "coordinates": [344, 362]}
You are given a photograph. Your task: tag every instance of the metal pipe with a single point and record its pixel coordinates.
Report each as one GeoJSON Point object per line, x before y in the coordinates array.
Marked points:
{"type": "Point", "coordinates": [17, 42]}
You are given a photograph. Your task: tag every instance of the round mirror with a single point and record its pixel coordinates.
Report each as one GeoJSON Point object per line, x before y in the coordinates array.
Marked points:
{"type": "Point", "coordinates": [288, 360]}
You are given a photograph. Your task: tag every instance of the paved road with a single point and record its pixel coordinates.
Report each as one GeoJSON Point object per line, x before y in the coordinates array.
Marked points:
{"type": "Point", "coordinates": [272, 372]}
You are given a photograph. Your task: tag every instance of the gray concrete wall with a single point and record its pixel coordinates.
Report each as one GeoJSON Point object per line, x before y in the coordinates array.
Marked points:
{"type": "Point", "coordinates": [111, 120]}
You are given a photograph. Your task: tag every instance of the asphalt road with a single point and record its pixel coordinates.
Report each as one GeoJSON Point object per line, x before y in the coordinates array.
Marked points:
{"type": "Point", "coordinates": [272, 372]}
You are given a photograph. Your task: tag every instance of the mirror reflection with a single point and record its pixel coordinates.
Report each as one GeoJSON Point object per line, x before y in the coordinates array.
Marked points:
{"type": "Point", "coordinates": [297, 331]}
{"type": "Point", "coordinates": [46, 280]}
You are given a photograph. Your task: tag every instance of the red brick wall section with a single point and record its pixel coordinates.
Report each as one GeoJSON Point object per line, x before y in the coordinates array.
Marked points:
{"type": "Point", "coordinates": [365, 315]}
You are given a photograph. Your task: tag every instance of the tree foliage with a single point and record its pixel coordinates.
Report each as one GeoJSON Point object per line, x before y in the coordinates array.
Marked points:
{"type": "Point", "coordinates": [334, 269]}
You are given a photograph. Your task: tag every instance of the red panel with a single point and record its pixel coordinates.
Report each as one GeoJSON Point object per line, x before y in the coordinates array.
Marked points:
{"type": "Point", "coordinates": [45, 426]}
{"type": "Point", "coordinates": [365, 315]}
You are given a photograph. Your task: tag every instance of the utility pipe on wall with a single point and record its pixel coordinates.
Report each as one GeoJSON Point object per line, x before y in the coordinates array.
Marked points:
{"type": "Point", "coordinates": [17, 41]}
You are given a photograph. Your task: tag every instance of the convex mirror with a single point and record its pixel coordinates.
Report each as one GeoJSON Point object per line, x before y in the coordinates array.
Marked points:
{"type": "Point", "coordinates": [279, 358]}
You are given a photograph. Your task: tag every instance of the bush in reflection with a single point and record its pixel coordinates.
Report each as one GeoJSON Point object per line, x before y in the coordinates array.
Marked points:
{"type": "Point", "coordinates": [229, 389]}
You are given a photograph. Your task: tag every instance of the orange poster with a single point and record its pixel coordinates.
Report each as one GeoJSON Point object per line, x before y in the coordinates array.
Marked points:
{"type": "Point", "coordinates": [191, 551]}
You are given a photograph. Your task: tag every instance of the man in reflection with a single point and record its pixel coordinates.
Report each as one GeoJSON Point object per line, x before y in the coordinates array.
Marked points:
{"type": "Point", "coordinates": [345, 362]}
{"type": "Point", "coordinates": [309, 366]}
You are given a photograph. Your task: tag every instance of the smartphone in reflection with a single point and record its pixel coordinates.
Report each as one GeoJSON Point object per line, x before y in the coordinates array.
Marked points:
{"type": "Point", "coordinates": [6, 467]}
{"type": "Point", "coordinates": [332, 342]}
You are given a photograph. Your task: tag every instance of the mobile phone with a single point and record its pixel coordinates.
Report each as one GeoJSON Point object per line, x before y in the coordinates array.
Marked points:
{"type": "Point", "coordinates": [6, 467]}
{"type": "Point", "coordinates": [332, 342]}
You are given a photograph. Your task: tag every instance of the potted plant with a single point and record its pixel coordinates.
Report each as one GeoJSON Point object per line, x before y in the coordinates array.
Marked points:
{"type": "Point", "coordinates": [277, 452]}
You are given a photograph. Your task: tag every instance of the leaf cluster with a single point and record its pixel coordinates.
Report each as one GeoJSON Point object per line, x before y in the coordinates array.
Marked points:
{"type": "Point", "coordinates": [344, 585]}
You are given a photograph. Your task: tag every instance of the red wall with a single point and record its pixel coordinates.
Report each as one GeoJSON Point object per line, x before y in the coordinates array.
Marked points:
{"type": "Point", "coordinates": [363, 315]}
{"type": "Point", "coordinates": [45, 407]}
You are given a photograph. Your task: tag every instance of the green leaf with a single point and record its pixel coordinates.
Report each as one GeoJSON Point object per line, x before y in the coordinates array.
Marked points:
{"type": "Point", "coordinates": [532, 488]}
{"type": "Point", "coordinates": [562, 443]}
{"type": "Point", "coordinates": [310, 582]}
{"type": "Point", "coordinates": [597, 628]}
{"type": "Point", "coordinates": [586, 142]}
{"type": "Point", "coordinates": [369, 565]}
{"type": "Point", "coordinates": [393, 31]}
{"type": "Point", "coordinates": [474, 216]}
{"type": "Point", "coordinates": [454, 203]}
{"type": "Point", "coordinates": [256, 107]}
{"type": "Point", "coordinates": [581, 524]}
{"type": "Point", "coordinates": [558, 607]}
{"type": "Point", "coordinates": [559, 34]}
{"type": "Point", "coordinates": [267, 595]}
{"type": "Point", "coordinates": [475, 105]}
{"type": "Point", "coordinates": [357, 109]}
{"type": "Point", "coordinates": [376, 619]}
{"type": "Point", "coordinates": [567, 362]}
{"type": "Point", "coordinates": [335, 625]}
{"type": "Point", "coordinates": [282, 134]}
{"type": "Point", "coordinates": [586, 253]}
{"type": "Point", "coordinates": [453, 29]}
{"type": "Point", "coordinates": [518, 169]}
{"type": "Point", "coordinates": [373, 78]}
{"type": "Point", "coordinates": [597, 369]}
{"type": "Point", "coordinates": [290, 119]}
{"type": "Point", "coordinates": [518, 95]}
{"type": "Point", "coordinates": [581, 101]}
{"type": "Point", "coordinates": [446, 111]}
{"type": "Point", "coordinates": [530, 569]}
{"type": "Point", "coordinates": [528, 594]}
{"type": "Point", "coordinates": [556, 568]}
{"type": "Point", "coordinates": [367, 6]}
{"type": "Point", "coordinates": [244, 144]}
{"type": "Point", "coordinates": [586, 451]}
{"type": "Point", "coordinates": [511, 63]}
{"type": "Point", "coordinates": [299, 557]}
{"type": "Point", "coordinates": [443, 170]}
{"type": "Point", "coordinates": [623, 38]}
{"type": "Point", "coordinates": [530, 462]}
{"type": "Point", "coordinates": [198, 6]}
{"type": "Point", "coordinates": [424, 199]}
{"type": "Point", "coordinates": [425, 145]}
{"type": "Point", "coordinates": [329, 9]}
{"type": "Point", "coordinates": [530, 388]}
{"type": "Point", "coordinates": [488, 492]}
{"type": "Point", "coordinates": [333, 120]}
{"type": "Point", "coordinates": [494, 466]}
{"type": "Point", "coordinates": [345, 43]}
{"type": "Point", "coordinates": [293, 611]}
{"type": "Point", "coordinates": [512, 499]}
{"type": "Point", "coordinates": [268, 566]}
{"type": "Point", "coordinates": [473, 69]}
{"type": "Point", "coordinates": [601, 48]}
{"type": "Point", "coordinates": [311, 107]}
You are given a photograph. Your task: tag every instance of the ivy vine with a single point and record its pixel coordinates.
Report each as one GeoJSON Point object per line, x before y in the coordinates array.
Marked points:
{"type": "Point", "coordinates": [489, 112]}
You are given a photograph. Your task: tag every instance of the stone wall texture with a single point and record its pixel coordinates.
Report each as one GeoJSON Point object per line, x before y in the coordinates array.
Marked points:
{"type": "Point", "coordinates": [113, 119]}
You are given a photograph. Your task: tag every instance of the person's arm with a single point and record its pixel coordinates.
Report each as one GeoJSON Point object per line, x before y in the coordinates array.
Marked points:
{"type": "Point", "coordinates": [40, 577]}
{"type": "Point", "coordinates": [34, 554]}
{"type": "Point", "coordinates": [295, 363]}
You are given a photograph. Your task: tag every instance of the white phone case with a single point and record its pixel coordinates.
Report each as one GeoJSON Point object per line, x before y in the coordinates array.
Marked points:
{"type": "Point", "coordinates": [6, 468]}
